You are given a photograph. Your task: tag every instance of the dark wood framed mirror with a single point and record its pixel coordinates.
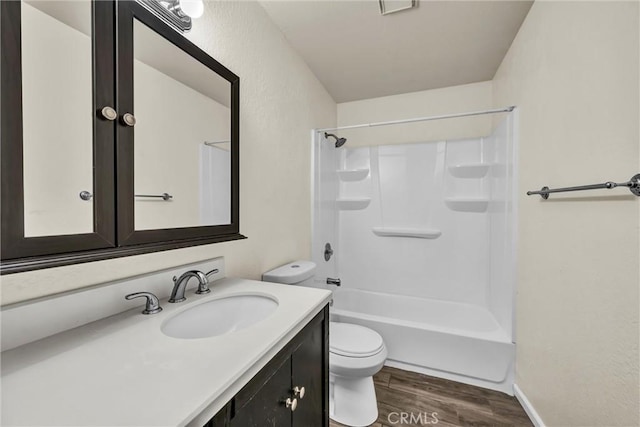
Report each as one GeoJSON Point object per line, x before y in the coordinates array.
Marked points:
{"type": "Point", "coordinates": [168, 143]}
{"type": "Point", "coordinates": [105, 106]}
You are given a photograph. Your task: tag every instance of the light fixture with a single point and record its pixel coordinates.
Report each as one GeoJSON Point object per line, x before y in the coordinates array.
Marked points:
{"type": "Point", "coordinates": [388, 7]}
{"type": "Point", "coordinates": [192, 8]}
{"type": "Point", "coordinates": [177, 13]}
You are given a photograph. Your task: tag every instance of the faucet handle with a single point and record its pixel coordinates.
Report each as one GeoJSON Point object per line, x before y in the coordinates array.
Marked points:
{"type": "Point", "coordinates": [152, 306]}
{"type": "Point", "coordinates": [203, 283]}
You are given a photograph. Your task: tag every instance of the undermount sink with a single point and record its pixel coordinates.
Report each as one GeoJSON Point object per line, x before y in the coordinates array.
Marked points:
{"type": "Point", "coordinates": [220, 316]}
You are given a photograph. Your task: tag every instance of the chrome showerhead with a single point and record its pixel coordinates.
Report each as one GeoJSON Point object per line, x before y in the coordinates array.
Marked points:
{"type": "Point", "coordinates": [339, 141]}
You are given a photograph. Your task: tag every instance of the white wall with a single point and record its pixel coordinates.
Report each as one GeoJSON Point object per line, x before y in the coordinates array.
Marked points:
{"type": "Point", "coordinates": [573, 71]}
{"type": "Point", "coordinates": [280, 101]}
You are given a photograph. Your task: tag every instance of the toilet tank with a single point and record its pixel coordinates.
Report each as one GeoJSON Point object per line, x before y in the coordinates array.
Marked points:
{"type": "Point", "coordinates": [294, 273]}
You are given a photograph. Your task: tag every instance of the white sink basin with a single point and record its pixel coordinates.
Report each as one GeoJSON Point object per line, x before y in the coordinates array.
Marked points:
{"type": "Point", "coordinates": [219, 316]}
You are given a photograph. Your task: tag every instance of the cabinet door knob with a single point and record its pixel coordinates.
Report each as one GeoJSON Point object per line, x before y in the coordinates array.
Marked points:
{"type": "Point", "coordinates": [128, 119]}
{"type": "Point", "coordinates": [292, 404]}
{"type": "Point", "coordinates": [298, 392]}
{"type": "Point", "coordinates": [85, 195]}
{"type": "Point", "coordinates": [108, 113]}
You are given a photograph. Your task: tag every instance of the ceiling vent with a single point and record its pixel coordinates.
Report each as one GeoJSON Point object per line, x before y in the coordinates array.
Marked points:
{"type": "Point", "coordinates": [387, 7]}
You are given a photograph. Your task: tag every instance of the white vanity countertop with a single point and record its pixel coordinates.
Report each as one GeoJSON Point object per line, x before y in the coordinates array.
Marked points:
{"type": "Point", "coordinates": [123, 371]}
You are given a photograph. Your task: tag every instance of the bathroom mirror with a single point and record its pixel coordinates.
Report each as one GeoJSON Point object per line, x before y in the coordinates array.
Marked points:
{"type": "Point", "coordinates": [178, 158]}
{"type": "Point", "coordinates": [182, 137]}
{"type": "Point", "coordinates": [57, 116]}
{"type": "Point", "coordinates": [119, 135]}
{"type": "Point", "coordinates": [57, 152]}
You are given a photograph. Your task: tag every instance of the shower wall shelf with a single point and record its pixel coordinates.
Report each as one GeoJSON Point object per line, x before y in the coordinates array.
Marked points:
{"type": "Point", "coordinates": [420, 233]}
{"type": "Point", "coordinates": [469, 170]}
{"type": "Point", "coordinates": [353, 174]}
{"type": "Point", "coordinates": [352, 203]}
{"type": "Point", "coordinates": [461, 204]}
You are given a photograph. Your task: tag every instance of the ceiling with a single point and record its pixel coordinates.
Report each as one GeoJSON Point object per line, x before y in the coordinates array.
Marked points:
{"type": "Point", "coordinates": [358, 54]}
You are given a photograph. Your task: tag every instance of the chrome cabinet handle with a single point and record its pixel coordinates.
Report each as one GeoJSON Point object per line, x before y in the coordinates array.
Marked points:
{"type": "Point", "coordinates": [291, 404]}
{"type": "Point", "coordinates": [85, 195]}
{"type": "Point", "coordinates": [298, 392]}
{"type": "Point", "coordinates": [108, 113]}
{"type": "Point", "coordinates": [128, 119]}
{"type": "Point", "coordinates": [152, 306]}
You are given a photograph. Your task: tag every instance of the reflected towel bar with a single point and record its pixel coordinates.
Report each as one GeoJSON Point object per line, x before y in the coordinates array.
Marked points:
{"type": "Point", "coordinates": [633, 184]}
{"type": "Point", "coordinates": [164, 196]}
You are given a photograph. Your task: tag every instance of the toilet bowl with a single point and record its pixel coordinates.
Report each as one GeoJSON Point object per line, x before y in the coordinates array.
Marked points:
{"type": "Point", "coordinates": [356, 354]}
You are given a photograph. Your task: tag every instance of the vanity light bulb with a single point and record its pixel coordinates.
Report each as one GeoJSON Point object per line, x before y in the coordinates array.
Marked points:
{"type": "Point", "coordinates": [192, 8]}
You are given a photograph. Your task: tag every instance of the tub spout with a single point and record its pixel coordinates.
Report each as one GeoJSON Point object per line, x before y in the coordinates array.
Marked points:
{"type": "Point", "coordinates": [331, 281]}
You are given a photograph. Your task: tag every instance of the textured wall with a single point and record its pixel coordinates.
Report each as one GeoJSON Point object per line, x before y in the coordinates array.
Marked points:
{"type": "Point", "coordinates": [281, 101]}
{"type": "Point", "coordinates": [573, 71]}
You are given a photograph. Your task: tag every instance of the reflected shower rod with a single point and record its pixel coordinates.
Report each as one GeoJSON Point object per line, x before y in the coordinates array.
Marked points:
{"type": "Point", "coordinates": [214, 143]}
{"type": "Point", "coordinates": [633, 184]}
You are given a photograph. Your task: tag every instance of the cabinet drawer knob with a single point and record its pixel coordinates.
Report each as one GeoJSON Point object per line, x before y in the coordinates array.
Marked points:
{"type": "Point", "coordinates": [128, 119]}
{"type": "Point", "coordinates": [291, 403]}
{"type": "Point", "coordinates": [108, 113]}
{"type": "Point", "coordinates": [298, 392]}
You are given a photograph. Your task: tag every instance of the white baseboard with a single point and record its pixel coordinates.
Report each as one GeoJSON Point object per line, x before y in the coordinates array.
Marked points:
{"type": "Point", "coordinates": [528, 407]}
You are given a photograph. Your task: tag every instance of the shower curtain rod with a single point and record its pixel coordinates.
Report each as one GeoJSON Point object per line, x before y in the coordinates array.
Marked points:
{"type": "Point", "coordinates": [422, 119]}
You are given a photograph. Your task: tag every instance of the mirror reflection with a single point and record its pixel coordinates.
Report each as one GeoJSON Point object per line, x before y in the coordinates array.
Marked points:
{"type": "Point", "coordinates": [57, 108]}
{"type": "Point", "coordinates": [182, 137]}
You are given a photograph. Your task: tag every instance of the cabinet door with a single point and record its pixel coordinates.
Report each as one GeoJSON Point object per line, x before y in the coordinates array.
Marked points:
{"type": "Point", "coordinates": [178, 155]}
{"type": "Point", "coordinates": [57, 150]}
{"type": "Point", "coordinates": [266, 407]}
{"type": "Point", "coordinates": [309, 370]}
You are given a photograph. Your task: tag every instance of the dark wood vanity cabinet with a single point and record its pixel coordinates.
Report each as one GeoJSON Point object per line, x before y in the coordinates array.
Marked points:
{"type": "Point", "coordinates": [303, 362]}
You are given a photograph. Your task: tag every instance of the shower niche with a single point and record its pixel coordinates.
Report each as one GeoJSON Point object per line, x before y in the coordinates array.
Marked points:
{"type": "Point", "coordinates": [423, 233]}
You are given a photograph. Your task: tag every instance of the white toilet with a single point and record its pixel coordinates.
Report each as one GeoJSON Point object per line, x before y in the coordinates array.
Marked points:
{"type": "Point", "coordinates": [356, 353]}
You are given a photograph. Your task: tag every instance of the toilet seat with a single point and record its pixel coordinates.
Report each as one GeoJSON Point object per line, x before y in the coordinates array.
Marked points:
{"type": "Point", "coordinates": [349, 340]}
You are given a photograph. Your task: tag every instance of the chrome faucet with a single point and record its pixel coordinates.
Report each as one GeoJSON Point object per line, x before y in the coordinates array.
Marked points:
{"type": "Point", "coordinates": [180, 285]}
{"type": "Point", "coordinates": [331, 281]}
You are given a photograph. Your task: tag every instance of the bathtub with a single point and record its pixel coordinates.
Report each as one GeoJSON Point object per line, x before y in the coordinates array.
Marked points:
{"type": "Point", "coordinates": [456, 341]}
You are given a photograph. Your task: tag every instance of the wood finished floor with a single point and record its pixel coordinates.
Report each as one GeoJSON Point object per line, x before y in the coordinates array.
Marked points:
{"type": "Point", "coordinates": [456, 404]}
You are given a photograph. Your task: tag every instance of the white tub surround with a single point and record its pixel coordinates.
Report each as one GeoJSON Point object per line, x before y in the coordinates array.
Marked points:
{"type": "Point", "coordinates": [429, 261]}
{"type": "Point", "coordinates": [122, 370]}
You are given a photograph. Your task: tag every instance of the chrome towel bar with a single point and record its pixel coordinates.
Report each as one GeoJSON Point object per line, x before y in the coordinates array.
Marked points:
{"type": "Point", "coordinates": [164, 196]}
{"type": "Point", "coordinates": [633, 184]}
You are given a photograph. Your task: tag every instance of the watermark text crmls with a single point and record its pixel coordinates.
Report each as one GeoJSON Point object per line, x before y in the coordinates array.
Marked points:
{"type": "Point", "coordinates": [420, 418]}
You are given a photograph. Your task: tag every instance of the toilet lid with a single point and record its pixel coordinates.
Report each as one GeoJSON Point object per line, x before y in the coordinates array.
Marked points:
{"type": "Point", "coordinates": [351, 340]}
